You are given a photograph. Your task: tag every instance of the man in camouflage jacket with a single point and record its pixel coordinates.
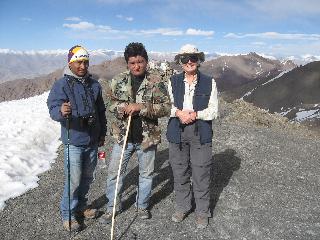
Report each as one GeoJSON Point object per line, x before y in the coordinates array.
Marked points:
{"type": "Point", "coordinates": [142, 94]}
{"type": "Point", "coordinates": [152, 94]}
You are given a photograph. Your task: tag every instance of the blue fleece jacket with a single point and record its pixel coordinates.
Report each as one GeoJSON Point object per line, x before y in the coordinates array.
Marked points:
{"type": "Point", "coordinates": [85, 96]}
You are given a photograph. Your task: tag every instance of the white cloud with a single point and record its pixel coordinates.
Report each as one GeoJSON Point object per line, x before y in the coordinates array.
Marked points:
{"type": "Point", "coordinates": [231, 35]}
{"type": "Point", "coordinates": [258, 43]}
{"type": "Point", "coordinates": [99, 30]}
{"type": "Point", "coordinates": [163, 31]}
{"type": "Point", "coordinates": [103, 28]}
{"type": "Point", "coordinates": [275, 35]}
{"type": "Point", "coordinates": [90, 27]}
{"type": "Point", "coordinates": [80, 26]}
{"type": "Point", "coordinates": [170, 32]}
{"type": "Point", "coordinates": [26, 19]}
{"type": "Point", "coordinates": [75, 19]}
{"type": "Point", "coordinates": [129, 19]}
{"type": "Point", "coordinates": [191, 31]}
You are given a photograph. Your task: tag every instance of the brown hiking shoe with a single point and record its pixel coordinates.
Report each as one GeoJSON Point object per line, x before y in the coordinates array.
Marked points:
{"type": "Point", "coordinates": [144, 213]}
{"type": "Point", "coordinates": [202, 222]}
{"type": "Point", "coordinates": [178, 216]}
{"type": "Point", "coordinates": [88, 213]}
{"type": "Point", "coordinates": [106, 218]}
{"type": "Point", "coordinates": [75, 226]}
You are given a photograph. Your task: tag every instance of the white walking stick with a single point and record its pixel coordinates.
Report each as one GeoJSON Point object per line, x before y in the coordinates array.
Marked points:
{"type": "Point", "coordinates": [118, 176]}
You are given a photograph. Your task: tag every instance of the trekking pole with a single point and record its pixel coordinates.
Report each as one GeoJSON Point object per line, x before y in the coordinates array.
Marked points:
{"type": "Point", "coordinates": [118, 176]}
{"type": "Point", "coordinates": [68, 166]}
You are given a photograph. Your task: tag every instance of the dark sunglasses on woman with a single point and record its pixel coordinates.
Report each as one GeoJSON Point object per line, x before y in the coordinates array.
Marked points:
{"type": "Point", "coordinates": [185, 59]}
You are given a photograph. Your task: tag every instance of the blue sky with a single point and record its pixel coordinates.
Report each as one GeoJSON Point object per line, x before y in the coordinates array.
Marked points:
{"type": "Point", "coordinates": [272, 27]}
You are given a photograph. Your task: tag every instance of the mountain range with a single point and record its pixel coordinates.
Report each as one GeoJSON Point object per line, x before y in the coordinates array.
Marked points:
{"type": "Point", "coordinates": [228, 71]}
{"type": "Point", "coordinates": [277, 86]}
{"type": "Point", "coordinates": [29, 64]}
{"type": "Point", "coordinates": [233, 71]}
{"type": "Point", "coordinates": [293, 94]}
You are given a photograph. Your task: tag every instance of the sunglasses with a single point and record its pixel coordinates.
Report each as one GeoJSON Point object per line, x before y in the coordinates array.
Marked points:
{"type": "Point", "coordinates": [185, 59]}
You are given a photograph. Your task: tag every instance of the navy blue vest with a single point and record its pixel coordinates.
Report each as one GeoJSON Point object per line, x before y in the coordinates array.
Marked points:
{"type": "Point", "coordinates": [200, 102]}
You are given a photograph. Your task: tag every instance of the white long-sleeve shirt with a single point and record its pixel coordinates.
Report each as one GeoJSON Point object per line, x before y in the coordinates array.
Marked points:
{"type": "Point", "coordinates": [207, 114]}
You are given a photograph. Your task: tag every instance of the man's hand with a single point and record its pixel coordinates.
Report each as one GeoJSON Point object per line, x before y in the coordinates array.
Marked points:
{"type": "Point", "coordinates": [132, 108]}
{"type": "Point", "coordinates": [65, 109]}
{"type": "Point", "coordinates": [101, 142]}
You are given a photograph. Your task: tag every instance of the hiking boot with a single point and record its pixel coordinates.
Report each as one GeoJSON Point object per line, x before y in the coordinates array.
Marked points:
{"type": "Point", "coordinates": [178, 216]}
{"type": "Point", "coordinates": [106, 218]}
{"type": "Point", "coordinates": [88, 213]}
{"type": "Point", "coordinates": [75, 226]}
{"type": "Point", "coordinates": [144, 213]}
{"type": "Point", "coordinates": [202, 222]}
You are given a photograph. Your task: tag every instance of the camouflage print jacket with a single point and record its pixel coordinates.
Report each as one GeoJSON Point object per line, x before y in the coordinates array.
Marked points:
{"type": "Point", "coordinates": [152, 93]}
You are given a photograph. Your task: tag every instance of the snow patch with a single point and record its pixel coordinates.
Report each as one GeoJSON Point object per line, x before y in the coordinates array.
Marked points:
{"type": "Point", "coordinates": [307, 114]}
{"type": "Point", "coordinates": [29, 141]}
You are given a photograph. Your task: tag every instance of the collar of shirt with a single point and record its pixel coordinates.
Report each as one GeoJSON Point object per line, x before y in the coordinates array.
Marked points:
{"type": "Point", "coordinates": [188, 86]}
{"type": "Point", "coordinates": [188, 94]}
{"type": "Point", "coordinates": [194, 82]}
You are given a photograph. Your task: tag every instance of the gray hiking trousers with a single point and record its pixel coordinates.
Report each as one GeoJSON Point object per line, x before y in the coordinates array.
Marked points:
{"type": "Point", "coordinates": [191, 163]}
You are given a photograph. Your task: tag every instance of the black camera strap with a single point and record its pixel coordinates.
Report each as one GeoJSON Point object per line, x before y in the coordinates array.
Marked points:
{"type": "Point", "coordinates": [71, 88]}
{"type": "Point", "coordinates": [89, 91]}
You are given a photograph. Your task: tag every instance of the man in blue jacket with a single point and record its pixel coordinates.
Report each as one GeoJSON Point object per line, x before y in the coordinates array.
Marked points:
{"type": "Point", "coordinates": [77, 99]}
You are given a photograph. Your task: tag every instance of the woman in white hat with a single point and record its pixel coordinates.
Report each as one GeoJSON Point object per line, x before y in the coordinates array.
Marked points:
{"type": "Point", "coordinates": [194, 106]}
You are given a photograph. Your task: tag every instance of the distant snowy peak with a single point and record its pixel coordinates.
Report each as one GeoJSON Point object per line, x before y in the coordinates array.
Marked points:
{"type": "Point", "coordinates": [104, 52]}
{"type": "Point", "coordinates": [59, 52]}
{"type": "Point", "coordinates": [255, 64]}
{"type": "Point", "coordinates": [304, 59]}
{"type": "Point", "coordinates": [111, 54]}
{"type": "Point", "coordinates": [15, 64]}
{"type": "Point", "coordinates": [169, 56]}
{"type": "Point", "coordinates": [33, 52]}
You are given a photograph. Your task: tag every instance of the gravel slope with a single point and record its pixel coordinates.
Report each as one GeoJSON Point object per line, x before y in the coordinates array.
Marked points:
{"type": "Point", "coordinates": [265, 185]}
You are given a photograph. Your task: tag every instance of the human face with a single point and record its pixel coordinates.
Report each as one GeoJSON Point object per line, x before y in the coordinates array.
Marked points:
{"type": "Point", "coordinates": [80, 67]}
{"type": "Point", "coordinates": [189, 64]}
{"type": "Point", "coordinates": [137, 65]}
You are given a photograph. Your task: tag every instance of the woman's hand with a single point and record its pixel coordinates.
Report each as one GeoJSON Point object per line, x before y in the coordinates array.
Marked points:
{"type": "Point", "coordinates": [186, 116]}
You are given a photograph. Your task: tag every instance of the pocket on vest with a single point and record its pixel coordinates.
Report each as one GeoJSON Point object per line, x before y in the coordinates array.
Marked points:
{"type": "Point", "coordinates": [201, 101]}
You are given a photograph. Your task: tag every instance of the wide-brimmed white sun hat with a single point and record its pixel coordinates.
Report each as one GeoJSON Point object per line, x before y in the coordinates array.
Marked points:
{"type": "Point", "coordinates": [189, 49]}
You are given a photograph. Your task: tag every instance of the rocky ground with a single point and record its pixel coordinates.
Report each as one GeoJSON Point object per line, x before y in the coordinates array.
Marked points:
{"type": "Point", "coordinates": [265, 185]}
